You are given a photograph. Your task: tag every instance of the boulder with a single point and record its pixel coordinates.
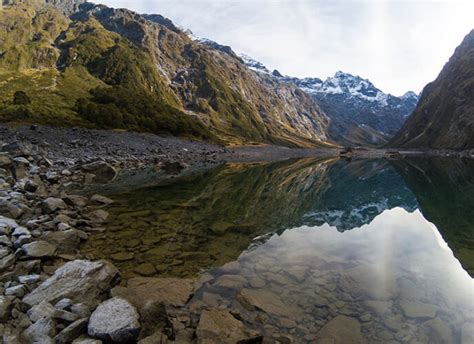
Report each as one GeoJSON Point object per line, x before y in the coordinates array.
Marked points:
{"type": "Point", "coordinates": [98, 216]}
{"type": "Point", "coordinates": [41, 331]}
{"type": "Point", "coordinates": [114, 320]}
{"type": "Point", "coordinates": [38, 249]}
{"type": "Point", "coordinates": [42, 310]}
{"type": "Point", "coordinates": [52, 204]}
{"type": "Point", "coordinates": [171, 291]}
{"type": "Point", "coordinates": [341, 330]}
{"type": "Point", "coordinates": [102, 171]}
{"type": "Point", "coordinates": [66, 241]}
{"type": "Point", "coordinates": [81, 281]}
{"type": "Point", "coordinates": [72, 331]}
{"type": "Point", "coordinates": [220, 327]}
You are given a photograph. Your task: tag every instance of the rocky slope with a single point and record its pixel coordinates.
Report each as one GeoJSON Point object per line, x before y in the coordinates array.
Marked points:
{"type": "Point", "coordinates": [359, 113]}
{"type": "Point", "coordinates": [444, 117]}
{"type": "Point", "coordinates": [111, 68]}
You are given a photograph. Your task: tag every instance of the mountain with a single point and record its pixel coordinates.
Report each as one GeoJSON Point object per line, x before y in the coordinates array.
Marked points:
{"type": "Point", "coordinates": [444, 117]}
{"type": "Point", "coordinates": [76, 63]}
{"type": "Point", "coordinates": [360, 113]}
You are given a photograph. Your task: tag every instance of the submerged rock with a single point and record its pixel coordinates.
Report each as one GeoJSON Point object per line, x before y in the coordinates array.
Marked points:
{"type": "Point", "coordinates": [114, 320]}
{"type": "Point", "coordinates": [170, 291]}
{"type": "Point", "coordinates": [341, 330]}
{"type": "Point", "coordinates": [220, 327]}
{"type": "Point", "coordinates": [81, 281]}
{"type": "Point", "coordinates": [418, 310]}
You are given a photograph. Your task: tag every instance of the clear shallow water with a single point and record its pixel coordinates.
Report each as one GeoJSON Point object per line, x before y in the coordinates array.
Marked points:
{"type": "Point", "coordinates": [380, 249]}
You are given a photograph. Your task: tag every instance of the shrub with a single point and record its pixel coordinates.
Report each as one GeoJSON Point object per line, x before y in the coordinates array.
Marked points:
{"type": "Point", "coordinates": [21, 98]}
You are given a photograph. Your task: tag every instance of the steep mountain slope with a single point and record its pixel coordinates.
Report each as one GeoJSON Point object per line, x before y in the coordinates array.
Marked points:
{"type": "Point", "coordinates": [360, 113]}
{"type": "Point", "coordinates": [444, 117]}
{"type": "Point", "coordinates": [113, 68]}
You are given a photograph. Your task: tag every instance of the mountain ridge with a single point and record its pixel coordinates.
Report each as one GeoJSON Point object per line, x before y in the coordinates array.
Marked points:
{"type": "Point", "coordinates": [113, 68]}
{"type": "Point", "coordinates": [444, 117]}
{"type": "Point", "coordinates": [360, 113]}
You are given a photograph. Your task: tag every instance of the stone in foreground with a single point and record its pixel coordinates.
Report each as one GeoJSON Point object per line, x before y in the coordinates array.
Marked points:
{"type": "Point", "coordinates": [115, 320]}
{"type": "Point", "coordinates": [81, 281]}
{"type": "Point", "coordinates": [220, 327]}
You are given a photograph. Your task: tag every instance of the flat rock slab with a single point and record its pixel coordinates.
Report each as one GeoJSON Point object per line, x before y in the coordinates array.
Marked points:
{"type": "Point", "coordinates": [82, 281]}
{"type": "Point", "coordinates": [220, 327]}
{"type": "Point", "coordinates": [418, 310]}
{"type": "Point", "coordinates": [265, 301]}
{"type": "Point", "coordinates": [170, 291]}
{"type": "Point", "coordinates": [341, 330]}
{"type": "Point", "coordinates": [115, 320]}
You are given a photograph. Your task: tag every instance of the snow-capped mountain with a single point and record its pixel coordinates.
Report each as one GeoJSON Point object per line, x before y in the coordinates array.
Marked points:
{"type": "Point", "coordinates": [360, 113]}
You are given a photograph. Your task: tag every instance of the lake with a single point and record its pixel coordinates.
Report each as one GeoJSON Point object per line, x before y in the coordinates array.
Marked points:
{"type": "Point", "coordinates": [378, 250]}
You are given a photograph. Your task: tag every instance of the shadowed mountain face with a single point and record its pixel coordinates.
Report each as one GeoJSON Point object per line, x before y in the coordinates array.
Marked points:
{"type": "Point", "coordinates": [113, 68]}
{"type": "Point", "coordinates": [444, 189]}
{"type": "Point", "coordinates": [444, 117]}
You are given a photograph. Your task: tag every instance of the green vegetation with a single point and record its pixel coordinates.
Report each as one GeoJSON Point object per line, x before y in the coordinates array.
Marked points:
{"type": "Point", "coordinates": [120, 108]}
{"type": "Point", "coordinates": [21, 98]}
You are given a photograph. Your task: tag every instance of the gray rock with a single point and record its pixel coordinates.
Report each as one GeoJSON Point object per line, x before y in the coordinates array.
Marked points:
{"type": "Point", "coordinates": [98, 216]}
{"type": "Point", "coordinates": [66, 242]}
{"type": "Point", "coordinates": [86, 340]}
{"type": "Point", "coordinates": [76, 201]}
{"type": "Point", "coordinates": [417, 310]}
{"type": "Point", "coordinates": [114, 320]}
{"type": "Point", "coordinates": [41, 331]}
{"type": "Point", "coordinates": [142, 290]}
{"type": "Point", "coordinates": [18, 291]}
{"type": "Point", "coordinates": [7, 262]}
{"type": "Point", "coordinates": [40, 311]}
{"type": "Point", "coordinates": [5, 241]}
{"type": "Point", "coordinates": [19, 231]}
{"type": "Point", "coordinates": [219, 326]}
{"type": "Point", "coordinates": [71, 332]}
{"type": "Point", "coordinates": [30, 186]}
{"type": "Point", "coordinates": [103, 171]}
{"type": "Point", "coordinates": [341, 330]}
{"type": "Point", "coordinates": [81, 281]}
{"type": "Point", "coordinates": [98, 199]}
{"type": "Point", "coordinates": [5, 160]}
{"type": "Point", "coordinates": [52, 204]}
{"type": "Point", "coordinates": [29, 279]}
{"type": "Point", "coordinates": [6, 222]}
{"type": "Point", "coordinates": [63, 304]}
{"type": "Point", "coordinates": [38, 249]}
{"type": "Point", "coordinates": [5, 308]}
{"type": "Point", "coordinates": [4, 252]}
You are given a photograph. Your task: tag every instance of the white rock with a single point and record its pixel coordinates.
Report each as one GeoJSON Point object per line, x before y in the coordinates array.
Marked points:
{"type": "Point", "coordinates": [114, 320]}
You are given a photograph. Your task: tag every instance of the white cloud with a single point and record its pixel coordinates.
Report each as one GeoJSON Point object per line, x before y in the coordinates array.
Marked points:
{"type": "Point", "coordinates": [398, 45]}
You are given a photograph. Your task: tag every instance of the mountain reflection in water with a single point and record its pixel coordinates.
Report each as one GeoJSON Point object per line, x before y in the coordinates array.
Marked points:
{"type": "Point", "coordinates": [370, 240]}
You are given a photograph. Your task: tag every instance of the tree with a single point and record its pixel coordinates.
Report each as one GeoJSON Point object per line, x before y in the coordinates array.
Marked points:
{"type": "Point", "coordinates": [21, 98]}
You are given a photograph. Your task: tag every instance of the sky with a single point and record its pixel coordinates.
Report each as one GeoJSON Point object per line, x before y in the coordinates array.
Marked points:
{"type": "Point", "coordinates": [398, 45]}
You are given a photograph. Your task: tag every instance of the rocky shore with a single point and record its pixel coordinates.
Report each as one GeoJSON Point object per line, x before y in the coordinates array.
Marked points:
{"type": "Point", "coordinates": [49, 292]}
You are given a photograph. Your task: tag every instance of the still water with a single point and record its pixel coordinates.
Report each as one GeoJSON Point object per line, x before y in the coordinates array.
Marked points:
{"type": "Point", "coordinates": [375, 250]}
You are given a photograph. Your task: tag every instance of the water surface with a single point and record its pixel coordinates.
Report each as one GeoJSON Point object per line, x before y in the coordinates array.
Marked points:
{"type": "Point", "coordinates": [383, 247]}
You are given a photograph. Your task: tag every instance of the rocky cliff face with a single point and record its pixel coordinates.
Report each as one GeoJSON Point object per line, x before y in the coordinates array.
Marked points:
{"type": "Point", "coordinates": [359, 113]}
{"type": "Point", "coordinates": [444, 117]}
{"type": "Point", "coordinates": [114, 68]}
